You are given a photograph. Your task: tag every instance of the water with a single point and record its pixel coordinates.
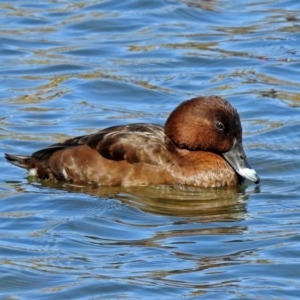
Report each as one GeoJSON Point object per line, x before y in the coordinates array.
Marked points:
{"type": "Point", "coordinates": [72, 67]}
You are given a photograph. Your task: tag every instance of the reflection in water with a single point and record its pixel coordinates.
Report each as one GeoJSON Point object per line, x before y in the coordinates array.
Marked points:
{"type": "Point", "coordinates": [209, 204]}
{"type": "Point", "coordinates": [162, 238]}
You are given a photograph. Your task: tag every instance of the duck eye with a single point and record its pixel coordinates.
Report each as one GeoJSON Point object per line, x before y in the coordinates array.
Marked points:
{"type": "Point", "coordinates": [220, 126]}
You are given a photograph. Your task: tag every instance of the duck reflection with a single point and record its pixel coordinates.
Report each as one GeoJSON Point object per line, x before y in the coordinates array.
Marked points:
{"type": "Point", "coordinates": [209, 204]}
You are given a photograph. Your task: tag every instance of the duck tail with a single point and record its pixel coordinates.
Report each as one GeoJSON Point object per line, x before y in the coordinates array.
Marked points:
{"type": "Point", "coordinates": [18, 160]}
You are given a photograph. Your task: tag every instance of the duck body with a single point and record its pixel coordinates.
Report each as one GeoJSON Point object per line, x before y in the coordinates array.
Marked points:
{"type": "Point", "coordinates": [200, 145]}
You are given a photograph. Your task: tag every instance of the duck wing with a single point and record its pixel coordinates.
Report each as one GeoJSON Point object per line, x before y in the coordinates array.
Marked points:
{"type": "Point", "coordinates": [136, 143]}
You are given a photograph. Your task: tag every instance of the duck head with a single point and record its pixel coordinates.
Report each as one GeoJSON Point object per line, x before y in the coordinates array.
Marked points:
{"type": "Point", "coordinates": [211, 124]}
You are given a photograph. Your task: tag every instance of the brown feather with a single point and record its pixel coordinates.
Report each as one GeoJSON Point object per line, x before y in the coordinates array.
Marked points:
{"type": "Point", "coordinates": [188, 150]}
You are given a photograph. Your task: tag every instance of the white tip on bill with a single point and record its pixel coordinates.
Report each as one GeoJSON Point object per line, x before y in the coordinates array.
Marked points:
{"type": "Point", "coordinates": [250, 174]}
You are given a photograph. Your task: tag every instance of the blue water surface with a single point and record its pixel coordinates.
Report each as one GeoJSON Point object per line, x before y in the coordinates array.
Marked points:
{"type": "Point", "coordinates": [73, 67]}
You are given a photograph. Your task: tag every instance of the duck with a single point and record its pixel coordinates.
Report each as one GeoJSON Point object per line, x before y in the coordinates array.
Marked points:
{"type": "Point", "coordinates": [200, 145]}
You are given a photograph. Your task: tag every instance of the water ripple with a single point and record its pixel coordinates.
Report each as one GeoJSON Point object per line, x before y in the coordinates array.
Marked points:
{"type": "Point", "coordinates": [73, 67]}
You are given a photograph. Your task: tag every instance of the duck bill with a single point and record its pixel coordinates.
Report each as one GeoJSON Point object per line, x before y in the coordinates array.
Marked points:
{"type": "Point", "coordinates": [236, 157]}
